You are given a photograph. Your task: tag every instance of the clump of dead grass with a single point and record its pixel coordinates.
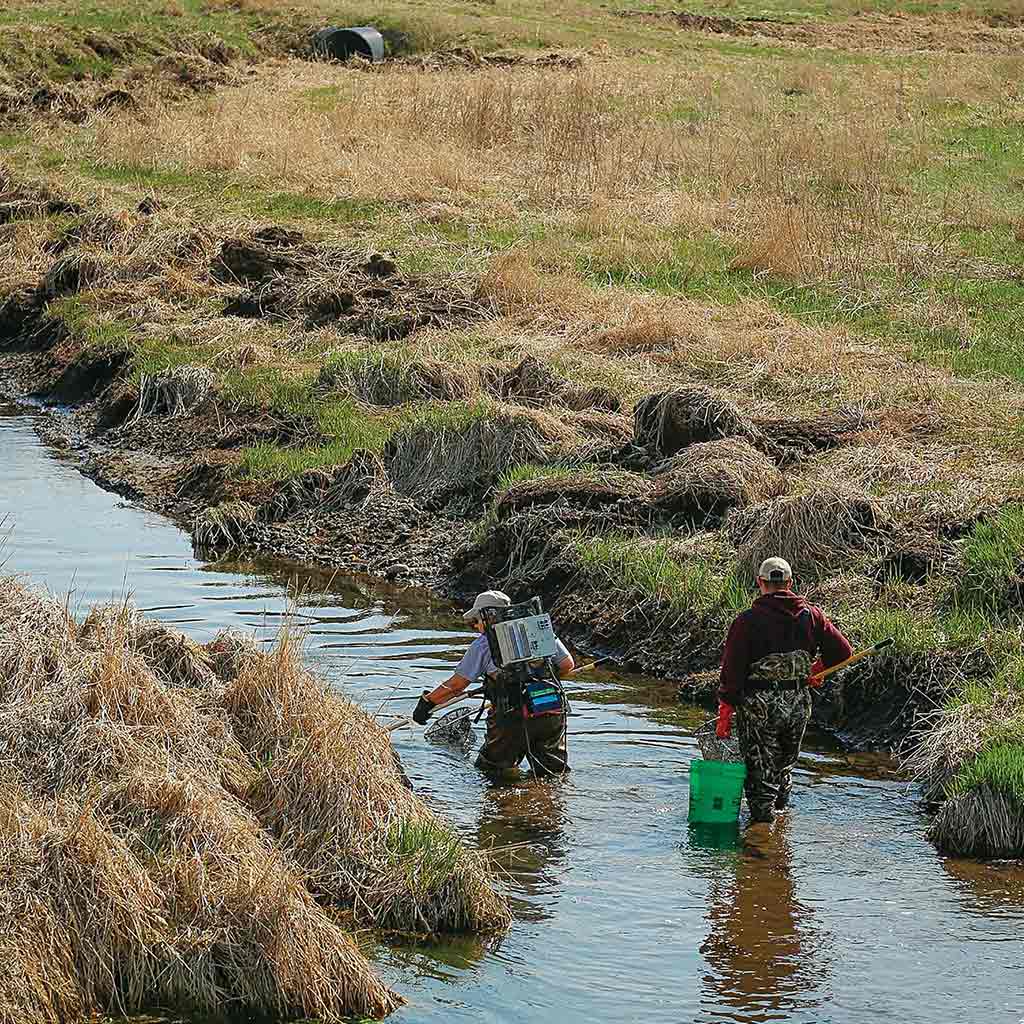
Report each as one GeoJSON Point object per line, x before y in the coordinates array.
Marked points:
{"type": "Point", "coordinates": [174, 392]}
{"type": "Point", "coordinates": [392, 378]}
{"type": "Point", "coordinates": [619, 494]}
{"type": "Point", "coordinates": [705, 481]}
{"type": "Point", "coordinates": [969, 760]}
{"type": "Point", "coordinates": [337, 799]}
{"type": "Point", "coordinates": [818, 532]}
{"type": "Point", "coordinates": [140, 846]}
{"type": "Point", "coordinates": [227, 525]}
{"type": "Point", "coordinates": [669, 421]}
{"type": "Point", "coordinates": [464, 449]}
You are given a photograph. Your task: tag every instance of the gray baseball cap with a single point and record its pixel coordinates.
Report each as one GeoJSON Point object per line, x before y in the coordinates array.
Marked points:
{"type": "Point", "coordinates": [775, 570]}
{"type": "Point", "coordinates": [488, 599]}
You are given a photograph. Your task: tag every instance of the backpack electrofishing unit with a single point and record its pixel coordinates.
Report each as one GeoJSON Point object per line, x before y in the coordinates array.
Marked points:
{"type": "Point", "coordinates": [522, 643]}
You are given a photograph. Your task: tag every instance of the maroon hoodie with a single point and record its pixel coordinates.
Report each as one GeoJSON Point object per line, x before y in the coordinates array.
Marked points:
{"type": "Point", "coordinates": [768, 627]}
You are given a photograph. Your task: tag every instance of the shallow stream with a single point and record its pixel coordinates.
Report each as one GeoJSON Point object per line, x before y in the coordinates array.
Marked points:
{"type": "Point", "coordinates": [623, 913]}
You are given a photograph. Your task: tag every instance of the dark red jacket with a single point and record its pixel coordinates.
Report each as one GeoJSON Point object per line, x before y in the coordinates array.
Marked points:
{"type": "Point", "coordinates": [767, 627]}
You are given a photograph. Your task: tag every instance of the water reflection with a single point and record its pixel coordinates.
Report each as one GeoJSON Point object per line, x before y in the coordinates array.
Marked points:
{"type": "Point", "coordinates": [764, 947]}
{"type": "Point", "coordinates": [524, 825]}
{"type": "Point", "coordinates": [987, 890]}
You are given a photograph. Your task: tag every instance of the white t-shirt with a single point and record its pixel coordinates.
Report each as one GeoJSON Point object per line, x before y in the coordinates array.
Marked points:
{"type": "Point", "coordinates": [477, 660]}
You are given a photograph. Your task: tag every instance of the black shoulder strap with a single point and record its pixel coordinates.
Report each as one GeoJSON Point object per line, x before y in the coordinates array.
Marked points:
{"type": "Point", "coordinates": [804, 621]}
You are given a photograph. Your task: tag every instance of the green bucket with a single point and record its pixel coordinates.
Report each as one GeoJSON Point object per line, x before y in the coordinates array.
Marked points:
{"type": "Point", "coordinates": [716, 789]}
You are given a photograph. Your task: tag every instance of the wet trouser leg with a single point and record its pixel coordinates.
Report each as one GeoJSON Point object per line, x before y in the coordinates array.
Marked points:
{"type": "Point", "coordinates": [511, 738]}
{"type": "Point", "coordinates": [771, 728]}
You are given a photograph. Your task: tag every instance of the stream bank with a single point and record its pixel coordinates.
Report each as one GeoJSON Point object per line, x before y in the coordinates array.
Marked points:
{"type": "Point", "coordinates": [621, 911]}
{"type": "Point", "coordinates": [182, 467]}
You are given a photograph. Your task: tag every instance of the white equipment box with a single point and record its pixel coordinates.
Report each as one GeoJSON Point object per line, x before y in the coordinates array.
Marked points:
{"type": "Point", "coordinates": [525, 639]}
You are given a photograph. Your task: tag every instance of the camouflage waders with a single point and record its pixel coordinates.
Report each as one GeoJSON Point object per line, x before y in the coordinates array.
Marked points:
{"type": "Point", "coordinates": [771, 727]}
{"type": "Point", "coordinates": [772, 721]}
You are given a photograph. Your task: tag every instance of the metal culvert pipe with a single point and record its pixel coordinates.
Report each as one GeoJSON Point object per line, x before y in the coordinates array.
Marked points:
{"type": "Point", "coordinates": [343, 43]}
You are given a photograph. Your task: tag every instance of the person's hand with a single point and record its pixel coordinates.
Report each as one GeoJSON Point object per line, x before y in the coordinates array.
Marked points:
{"type": "Point", "coordinates": [723, 728]}
{"type": "Point", "coordinates": [818, 666]}
{"type": "Point", "coordinates": [424, 709]}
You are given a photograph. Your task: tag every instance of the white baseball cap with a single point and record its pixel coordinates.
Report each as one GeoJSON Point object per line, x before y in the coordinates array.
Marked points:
{"type": "Point", "coordinates": [775, 570]}
{"type": "Point", "coordinates": [488, 599]}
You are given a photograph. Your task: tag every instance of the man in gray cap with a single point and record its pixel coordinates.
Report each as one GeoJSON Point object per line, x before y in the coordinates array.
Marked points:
{"type": "Point", "coordinates": [510, 737]}
{"type": "Point", "coordinates": [767, 668]}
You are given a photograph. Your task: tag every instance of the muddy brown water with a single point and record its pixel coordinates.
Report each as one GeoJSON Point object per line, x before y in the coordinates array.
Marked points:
{"type": "Point", "coordinates": [622, 912]}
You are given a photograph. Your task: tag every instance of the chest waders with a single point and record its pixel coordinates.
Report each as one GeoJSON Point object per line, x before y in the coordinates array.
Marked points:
{"type": "Point", "coordinates": [526, 686]}
{"type": "Point", "coordinates": [523, 694]}
{"type": "Point", "coordinates": [773, 716]}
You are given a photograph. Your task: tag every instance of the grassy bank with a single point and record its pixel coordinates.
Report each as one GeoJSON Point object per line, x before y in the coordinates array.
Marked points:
{"type": "Point", "coordinates": [216, 822]}
{"type": "Point", "coordinates": [629, 300]}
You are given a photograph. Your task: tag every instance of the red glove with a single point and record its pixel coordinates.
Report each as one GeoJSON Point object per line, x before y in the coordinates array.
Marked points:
{"type": "Point", "coordinates": [818, 666]}
{"type": "Point", "coordinates": [723, 728]}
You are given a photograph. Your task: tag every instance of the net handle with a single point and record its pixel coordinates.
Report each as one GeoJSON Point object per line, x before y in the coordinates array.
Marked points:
{"type": "Point", "coordinates": [395, 726]}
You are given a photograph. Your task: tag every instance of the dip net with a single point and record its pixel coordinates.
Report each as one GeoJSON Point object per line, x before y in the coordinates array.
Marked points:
{"type": "Point", "coordinates": [452, 729]}
{"type": "Point", "coordinates": [714, 749]}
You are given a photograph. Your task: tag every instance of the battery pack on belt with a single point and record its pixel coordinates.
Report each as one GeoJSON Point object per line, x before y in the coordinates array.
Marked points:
{"type": "Point", "coordinates": [541, 698]}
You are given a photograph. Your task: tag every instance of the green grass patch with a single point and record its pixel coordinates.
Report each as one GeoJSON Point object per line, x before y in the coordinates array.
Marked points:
{"type": "Point", "coordinates": [88, 323]}
{"type": "Point", "coordinates": [627, 567]}
{"type": "Point", "coordinates": [273, 462]}
{"type": "Point", "coordinates": [425, 853]}
{"type": "Point", "coordinates": [529, 471]}
{"type": "Point", "coordinates": [993, 558]}
{"type": "Point", "coordinates": [12, 140]}
{"type": "Point", "coordinates": [247, 197]}
{"type": "Point", "coordinates": [1000, 767]}
{"type": "Point", "coordinates": [448, 416]}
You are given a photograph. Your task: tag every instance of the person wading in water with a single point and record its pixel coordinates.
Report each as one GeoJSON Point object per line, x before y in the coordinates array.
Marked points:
{"type": "Point", "coordinates": [511, 733]}
{"type": "Point", "coordinates": [766, 671]}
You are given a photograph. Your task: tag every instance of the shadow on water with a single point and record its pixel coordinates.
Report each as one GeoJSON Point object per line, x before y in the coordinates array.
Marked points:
{"type": "Point", "coordinates": [844, 913]}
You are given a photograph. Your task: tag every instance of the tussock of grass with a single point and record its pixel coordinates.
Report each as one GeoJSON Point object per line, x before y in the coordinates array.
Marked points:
{"type": "Point", "coordinates": [1000, 767]}
{"type": "Point", "coordinates": [528, 472]}
{"type": "Point", "coordinates": [135, 847]}
{"type": "Point", "coordinates": [174, 392]}
{"type": "Point", "coordinates": [668, 422]}
{"type": "Point", "coordinates": [466, 447]}
{"type": "Point", "coordinates": [392, 377]}
{"type": "Point", "coordinates": [164, 839]}
{"type": "Point", "coordinates": [223, 526]}
{"type": "Point", "coordinates": [984, 820]}
{"type": "Point", "coordinates": [970, 756]}
{"type": "Point", "coordinates": [814, 532]}
{"type": "Point", "coordinates": [338, 801]}
{"type": "Point", "coordinates": [705, 481]}
{"type": "Point", "coordinates": [274, 462]}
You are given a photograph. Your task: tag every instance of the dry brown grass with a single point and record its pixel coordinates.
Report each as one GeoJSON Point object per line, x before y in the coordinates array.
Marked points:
{"type": "Point", "coordinates": [464, 451]}
{"type": "Point", "coordinates": [705, 481]}
{"type": "Point", "coordinates": [133, 871]}
{"type": "Point", "coordinates": [361, 835]}
{"type": "Point", "coordinates": [817, 532]}
{"type": "Point", "coordinates": [600, 145]}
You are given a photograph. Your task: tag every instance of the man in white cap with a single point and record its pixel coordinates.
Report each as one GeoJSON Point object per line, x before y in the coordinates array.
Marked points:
{"type": "Point", "coordinates": [767, 666]}
{"type": "Point", "coordinates": [509, 738]}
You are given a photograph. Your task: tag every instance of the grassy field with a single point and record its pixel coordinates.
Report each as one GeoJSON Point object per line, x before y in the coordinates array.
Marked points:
{"type": "Point", "coordinates": [815, 210]}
